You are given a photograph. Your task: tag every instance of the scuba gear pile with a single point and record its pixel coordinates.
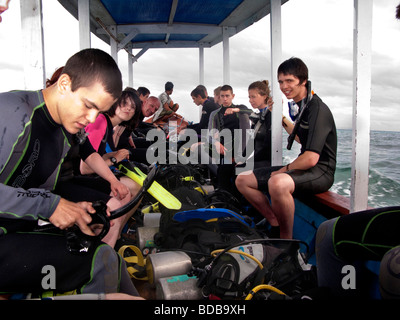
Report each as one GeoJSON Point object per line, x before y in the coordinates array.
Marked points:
{"type": "Point", "coordinates": [237, 271]}
{"type": "Point", "coordinates": [200, 237]}
{"type": "Point", "coordinates": [229, 258]}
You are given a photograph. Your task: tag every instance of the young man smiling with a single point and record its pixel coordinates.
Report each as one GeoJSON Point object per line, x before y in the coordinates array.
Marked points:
{"type": "Point", "coordinates": [36, 136]}
{"type": "Point", "coordinates": [311, 172]}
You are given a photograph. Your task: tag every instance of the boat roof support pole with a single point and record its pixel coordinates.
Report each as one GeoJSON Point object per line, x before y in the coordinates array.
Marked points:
{"type": "Point", "coordinates": [361, 104]}
{"type": "Point", "coordinates": [84, 24]}
{"type": "Point", "coordinates": [276, 58]}
{"type": "Point", "coordinates": [226, 60]}
{"type": "Point", "coordinates": [114, 43]}
{"type": "Point", "coordinates": [130, 65]}
{"type": "Point", "coordinates": [33, 44]}
{"type": "Point", "coordinates": [201, 64]}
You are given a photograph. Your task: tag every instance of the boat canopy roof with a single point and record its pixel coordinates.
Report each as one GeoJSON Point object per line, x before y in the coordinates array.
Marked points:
{"type": "Point", "coordinates": [170, 23]}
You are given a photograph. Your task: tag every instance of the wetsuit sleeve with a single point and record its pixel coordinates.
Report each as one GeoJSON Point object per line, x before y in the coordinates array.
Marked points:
{"type": "Point", "coordinates": [244, 110]}
{"type": "Point", "coordinates": [208, 108]}
{"type": "Point", "coordinates": [213, 126]}
{"type": "Point", "coordinates": [31, 204]}
{"type": "Point", "coordinates": [19, 203]}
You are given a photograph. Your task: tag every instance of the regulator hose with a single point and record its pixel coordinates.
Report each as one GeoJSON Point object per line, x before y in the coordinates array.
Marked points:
{"type": "Point", "coordinates": [79, 242]}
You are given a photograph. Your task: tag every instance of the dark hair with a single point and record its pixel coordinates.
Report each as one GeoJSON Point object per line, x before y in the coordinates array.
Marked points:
{"type": "Point", "coordinates": [202, 87]}
{"type": "Point", "coordinates": [134, 98]}
{"type": "Point", "coordinates": [398, 12]}
{"type": "Point", "coordinates": [226, 87]}
{"type": "Point", "coordinates": [90, 65]}
{"type": "Point", "coordinates": [262, 87]}
{"type": "Point", "coordinates": [142, 91]}
{"type": "Point", "coordinates": [131, 89]}
{"type": "Point", "coordinates": [54, 77]}
{"type": "Point", "coordinates": [295, 67]}
{"type": "Point", "coordinates": [169, 86]}
{"type": "Point", "coordinates": [198, 92]}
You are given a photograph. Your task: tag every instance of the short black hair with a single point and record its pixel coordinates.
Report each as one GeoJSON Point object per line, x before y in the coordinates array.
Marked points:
{"type": "Point", "coordinates": [295, 67]}
{"type": "Point", "coordinates": [198, 92]}
{"type": "Point", "coordinates": [143, 91]}
{"type": "Point", "coordinates": [226, 87]}
{"type": "Point", "coordinates": [169, 86]}
{"type": "Point", "coordinates": [90, 65]}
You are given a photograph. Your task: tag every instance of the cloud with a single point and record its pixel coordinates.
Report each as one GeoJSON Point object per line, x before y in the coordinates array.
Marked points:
{"type": "Point", "coordinates": [324, 41]}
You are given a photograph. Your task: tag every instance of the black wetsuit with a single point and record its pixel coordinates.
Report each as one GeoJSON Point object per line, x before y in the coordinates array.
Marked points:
{"type": "Point", "coordinates": [262, 140]}
{"type": "Point", "coordinates": [232, 122]}
{"type": "Point", "coordinates": [76, 187]}
{"type": "Point", "coordinates": [32, 150]}
{"type": "Point", "coordinates": [317, 133]}
{"type": "Point", "coordinates": [208, 108]}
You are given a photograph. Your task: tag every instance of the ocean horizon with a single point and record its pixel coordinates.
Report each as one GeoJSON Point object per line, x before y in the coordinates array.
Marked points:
{"type": "Point", "coordinates": [384, 166]}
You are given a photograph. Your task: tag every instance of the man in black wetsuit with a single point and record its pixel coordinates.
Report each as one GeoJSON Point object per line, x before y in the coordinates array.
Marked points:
{"type": "Point", "coordinates": [311, 172]}
{"type": "Point", "coordinates": [200, 99]}
{"type": "Point", "coordinates": [36, 136]}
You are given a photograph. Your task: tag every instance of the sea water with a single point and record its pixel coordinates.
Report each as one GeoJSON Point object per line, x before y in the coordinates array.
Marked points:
{"type": "Point", "coordinates": [384, 166]}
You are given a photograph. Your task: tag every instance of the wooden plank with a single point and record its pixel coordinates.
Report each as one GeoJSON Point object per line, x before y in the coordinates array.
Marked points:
{"type": "Point", "coordinates": [335, 201]}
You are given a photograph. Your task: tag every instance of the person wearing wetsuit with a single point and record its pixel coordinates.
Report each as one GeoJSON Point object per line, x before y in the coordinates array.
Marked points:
{"type": "Point", "coordinates": [208, 106]}
{"type": "Point", "coordinates": [259, 98]}
{"type": "Point", "coordinates": [228, 119]}
{"type": "Point", "coordinates": [257, 152]}
{"type": "Point", "coordinates": [36, 136]}
{"type": "Point", "coordinates": [311, 172]}
{"type": "Point", "coordinates": [352, 240]}
{"type": "Point", "coordinates": [134, 138]}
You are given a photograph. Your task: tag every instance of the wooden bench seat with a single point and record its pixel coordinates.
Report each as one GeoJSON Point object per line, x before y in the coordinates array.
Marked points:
{"type": "Point", "coordinates": [329, 204]}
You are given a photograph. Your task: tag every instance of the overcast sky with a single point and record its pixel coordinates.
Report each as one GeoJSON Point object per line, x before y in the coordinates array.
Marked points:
{"type": "Point", "coordinates": [320, 32]}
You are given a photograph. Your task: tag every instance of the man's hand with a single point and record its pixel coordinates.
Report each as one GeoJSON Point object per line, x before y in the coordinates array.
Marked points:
{"type": "Point", "coordinates": [69, 213]}
{"type": "Point", "coordinates": [231, 111]}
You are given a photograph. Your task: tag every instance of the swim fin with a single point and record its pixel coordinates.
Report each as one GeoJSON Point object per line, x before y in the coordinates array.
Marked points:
{"type": "Point", "coordinates": [156, 190]}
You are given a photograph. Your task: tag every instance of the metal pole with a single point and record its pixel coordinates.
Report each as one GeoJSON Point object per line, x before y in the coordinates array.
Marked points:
{"type": "Point", "coordinates": [33, 44]}
{"type": "Point", "coordinates": [84, 24]}
{"type": "Point", "coordinates": [276, 59]}
{"type": "Point", "coordinates": [201, 65]}
{"type": "Point", "coordinates": [361, 104]}
{"type": "Point", "coordinates": [225, 45]}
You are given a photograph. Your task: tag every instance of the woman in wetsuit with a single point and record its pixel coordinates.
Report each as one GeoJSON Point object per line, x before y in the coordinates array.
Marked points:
{"type": "Point", "coordinates": [95, 158]}
{"type": "Point", "coordinates": [86, 173]}
{"type": "Point", "coordinates": [259, 98]}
